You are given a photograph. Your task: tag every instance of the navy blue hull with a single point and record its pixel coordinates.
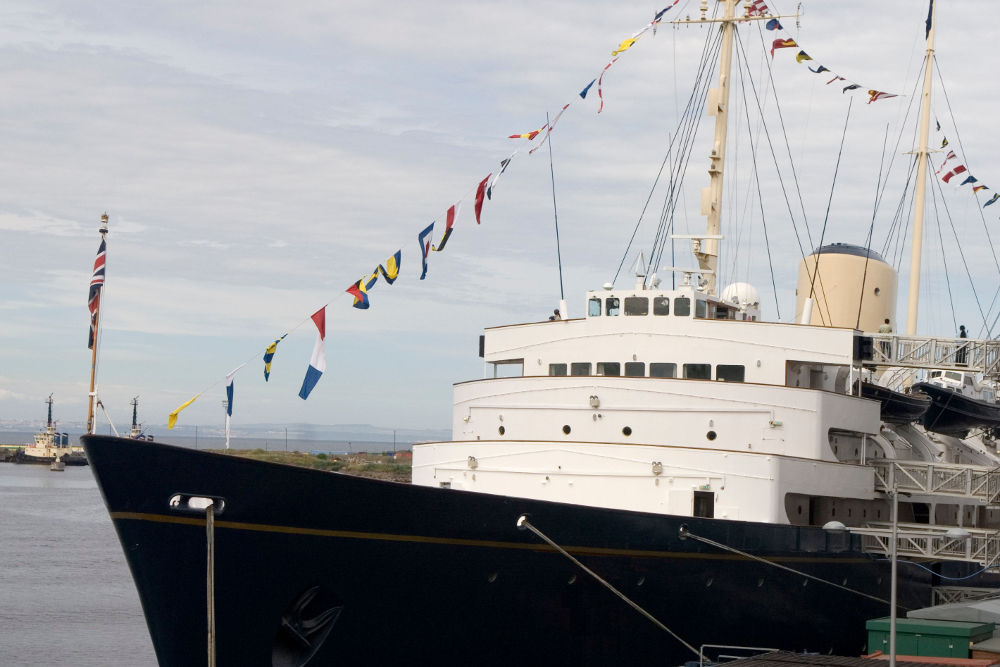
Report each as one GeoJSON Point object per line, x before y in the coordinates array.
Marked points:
{"type": "Point", "coordinates": [360, 571]}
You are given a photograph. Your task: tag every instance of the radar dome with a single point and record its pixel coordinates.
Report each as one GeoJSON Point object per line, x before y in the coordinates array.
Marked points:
{"type": "Point", "coordinates": [745, 296]}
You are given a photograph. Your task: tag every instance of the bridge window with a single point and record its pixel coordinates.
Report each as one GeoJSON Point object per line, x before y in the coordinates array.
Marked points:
{"type": "Point", "coordinates": [661, 305]}
{"type": "Point", "coordinates": [682, 306]}
{"type": "Point", "coordinates": [657, 370]}
{"type": "Point", "coordinates": [635, 369]}
{"type": "Point", "coordinates": [611, 305]}
{"type": "Point", "coordinates": [636, 305]}
{"type": "Point", "coordinates": [594, 308]}
{"type": "Point", "coordinates": [728, 373]}
{"type": "Point", "coordinates": [557, 369]}
{"type": "Point", "coordinates": [609, 368]}
{"type": "Point", "coordinates": [580, 368]}
{"type": "Point", "coordinates": [698, 371]}
{"type": "Point", "coordinates": [701, 308]}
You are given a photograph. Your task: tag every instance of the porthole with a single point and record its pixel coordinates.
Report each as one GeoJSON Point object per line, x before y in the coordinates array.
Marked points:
{"type": "Point", "coordinates": [711, 435]}
{"type": "Point", "coordinates": [641, 581]}
{"type": "Point", "coordinates": [760, 583]}
{"type": "Point", "coordinates": [877, 291]}
{"type": "Point", "coordinates": [571, 580]}
{"type": "Point", "coordinates": [501, 430]}
{"type": "Point", "coordinates": [627, 430]}
{"type": "Point", "coordinates": [492, 577]}
{"type": "Point", "coordinates": [709, 582]}
{"type": "Point", "coordinates": [566, 429]}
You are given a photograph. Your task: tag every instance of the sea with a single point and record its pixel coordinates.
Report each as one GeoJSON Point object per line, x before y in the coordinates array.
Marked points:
{"type": "Point", "coordinates": [66, 595]}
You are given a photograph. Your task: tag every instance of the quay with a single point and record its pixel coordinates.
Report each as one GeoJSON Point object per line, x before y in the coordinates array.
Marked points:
{"type": "Point", "coordinates": [9, 452]}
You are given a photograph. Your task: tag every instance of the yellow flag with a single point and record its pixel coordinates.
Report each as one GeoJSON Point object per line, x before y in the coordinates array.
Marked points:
{"type": "Point", "coordinates": [624, 46]}
{"type": "Point", "coordinates": [172, 419]}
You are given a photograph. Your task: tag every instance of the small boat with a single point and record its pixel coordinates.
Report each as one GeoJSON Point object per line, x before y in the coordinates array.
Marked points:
{"type": "Point", "coordinates": [51, 446]}
{"type": "Point", "coordinates": [959, 404]}
{"type": "Point", "coordinates": [897, 407]}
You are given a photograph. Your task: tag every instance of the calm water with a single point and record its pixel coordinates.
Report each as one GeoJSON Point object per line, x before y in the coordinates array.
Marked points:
{"type": "Point", "coordinates": [66, 595]}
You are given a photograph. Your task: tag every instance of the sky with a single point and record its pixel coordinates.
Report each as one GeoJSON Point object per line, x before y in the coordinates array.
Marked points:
{"type": "Point", "coordinates": [256, 158]}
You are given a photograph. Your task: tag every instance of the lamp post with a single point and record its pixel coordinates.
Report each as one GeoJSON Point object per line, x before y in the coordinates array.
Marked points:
{"type": "Point", "coordinates": [955, 533]}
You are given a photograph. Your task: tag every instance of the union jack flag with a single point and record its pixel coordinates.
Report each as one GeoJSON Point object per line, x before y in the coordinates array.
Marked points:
{"type": "Point", "coordinates": [96, 283]}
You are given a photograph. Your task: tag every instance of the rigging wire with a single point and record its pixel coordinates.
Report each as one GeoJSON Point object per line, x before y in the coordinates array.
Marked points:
{"type": "Point", "coordinates": [982, 215]}
{"type": "Point", "coordinates": [683, 136]}
{"type": "Point", "coordinates": [944, 259]}
{"type": "Point", "coordinates": [871, 227]}
{"type": "Point", "coordinates": [686, 135]}
{"type": "Point", "coordinates": [901, 208]}
{"type": "Point", "coordinates": [961, 253]}
{"type": "Point", "coordinates": [760, 198]}
{"type": "Point", "coordinates": [555, 214]}
{"type": "Point", "coordinates": [829, 203]}
{"type": "Point", "coordinates": [781, 180]}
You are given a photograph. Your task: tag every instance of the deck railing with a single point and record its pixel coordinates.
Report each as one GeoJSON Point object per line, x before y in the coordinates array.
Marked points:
{"type": "Point", "coordinates": [979, 483]}
{"type": "Point", "coordinates": [967, 354]}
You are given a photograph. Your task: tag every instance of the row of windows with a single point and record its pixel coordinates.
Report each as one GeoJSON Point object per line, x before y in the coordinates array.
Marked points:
{"type": "Point", "coordinates": [639, 305]}
{"type": "Point", "coordinates": [637, 369]}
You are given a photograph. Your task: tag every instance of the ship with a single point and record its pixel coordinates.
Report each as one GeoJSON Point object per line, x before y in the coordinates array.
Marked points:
{"type": "Point", "coordinates": [51, 447]}
{"type": "Point", "coordinates": [667, 472]}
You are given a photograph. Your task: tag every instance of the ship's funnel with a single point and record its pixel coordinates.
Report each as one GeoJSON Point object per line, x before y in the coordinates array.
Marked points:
{"type": "Point", "coordinates": [851, 279]}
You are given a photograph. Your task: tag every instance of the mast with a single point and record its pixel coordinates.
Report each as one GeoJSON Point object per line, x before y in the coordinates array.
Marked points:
{"type": "Point", "coordinates": [706, 246]}
{"type": "Point", "coordinates": [49, 422]}
{"type": "Point", "coordinates": [916, 245]}
{"type": "Point", "coordinates": [707, 249]}
{"type": "Point", "coordinates": [91, 423]}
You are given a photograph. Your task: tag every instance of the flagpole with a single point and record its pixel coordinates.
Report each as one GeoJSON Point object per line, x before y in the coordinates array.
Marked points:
{"type": "Point", "coordinates": [916, 244]}
{"type": "Point", "coordinates": [91, 422]}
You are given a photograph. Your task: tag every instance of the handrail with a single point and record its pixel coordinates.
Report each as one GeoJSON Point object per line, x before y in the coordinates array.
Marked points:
{"type": "Point", "coordinates": [968, 354]}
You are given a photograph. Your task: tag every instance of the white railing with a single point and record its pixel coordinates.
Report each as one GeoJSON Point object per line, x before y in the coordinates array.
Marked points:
{"type": "Point", "coordinates": [922, 540]}
{"type": "Point", "coordinates": [979, 483]}
{"type": "Point", "coordinates": [950, 594]}
{"type": "Point", "coordinates": [978, 356]}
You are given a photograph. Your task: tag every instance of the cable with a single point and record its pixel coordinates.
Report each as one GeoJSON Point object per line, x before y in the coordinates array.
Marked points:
{"type": "Point", "coordinates": [524, 523]}
{"type": "Point", "coordinates": [686, 533]}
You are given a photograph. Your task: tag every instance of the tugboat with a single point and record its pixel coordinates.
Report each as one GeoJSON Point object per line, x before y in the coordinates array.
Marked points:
{"type": "Point", "coordinates": [51, 447]}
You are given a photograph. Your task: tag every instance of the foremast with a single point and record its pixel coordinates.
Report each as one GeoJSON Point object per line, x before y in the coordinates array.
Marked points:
{"type": "Point", "coordinates": [91, 423]}
{"type": "Point", "coordinates": [923, 155]}
{"type": "Point", "coordinates": [706, 246]}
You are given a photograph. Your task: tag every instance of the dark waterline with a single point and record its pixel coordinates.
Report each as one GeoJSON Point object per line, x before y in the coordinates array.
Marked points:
{"type": "Point", "coordinates": [66, 595]}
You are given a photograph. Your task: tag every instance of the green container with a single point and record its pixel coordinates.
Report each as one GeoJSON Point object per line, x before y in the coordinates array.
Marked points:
{"type": "Point", "coordinates": [927, 637]}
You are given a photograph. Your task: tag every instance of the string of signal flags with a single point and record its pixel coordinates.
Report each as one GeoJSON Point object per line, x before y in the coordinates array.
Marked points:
{"type": "Point", "coordinates": [389, 271]}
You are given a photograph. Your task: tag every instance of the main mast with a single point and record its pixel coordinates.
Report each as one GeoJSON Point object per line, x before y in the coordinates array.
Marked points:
{"type": "Point", "coordinates": [923, 155]}
{"type": "Point", "coordinates": [91, 425]}
{"type": "Point", "coordinates": [707, 249]}
{"type": "Point", "coordinates": [706, 246]}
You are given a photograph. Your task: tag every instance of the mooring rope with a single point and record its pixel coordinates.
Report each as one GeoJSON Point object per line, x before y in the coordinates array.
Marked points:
{"type": "Point", "coordinates": [685, 533]}
{"type": "Point", "coordinates": [524, 524]}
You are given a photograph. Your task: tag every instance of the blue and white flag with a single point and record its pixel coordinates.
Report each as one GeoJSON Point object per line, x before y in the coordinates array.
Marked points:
{"type": "Point", "coordinates": [229, 399]}
{"type": "Point", "coordinates": [318, 362]}
{"type": "Point", "coordinates": [425, 247]}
